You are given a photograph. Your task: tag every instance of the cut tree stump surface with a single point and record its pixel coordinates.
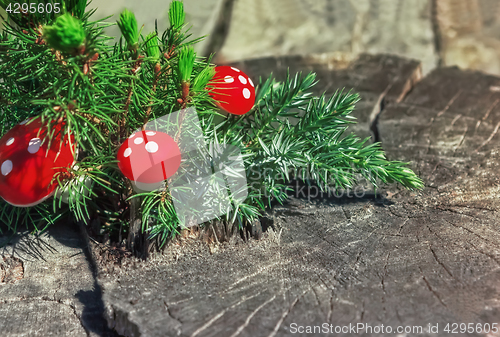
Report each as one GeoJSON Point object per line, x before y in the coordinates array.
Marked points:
{"type": "Point", "coordinates": [398, 259]}
{"type": "Point", "coordinates": [48, 287]}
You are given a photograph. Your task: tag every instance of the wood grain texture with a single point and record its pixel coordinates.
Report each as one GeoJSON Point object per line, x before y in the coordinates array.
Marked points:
{"type": "Point", "coordinates": [399, 259]}
{"type": "Point", "coordinates": [47, 287]}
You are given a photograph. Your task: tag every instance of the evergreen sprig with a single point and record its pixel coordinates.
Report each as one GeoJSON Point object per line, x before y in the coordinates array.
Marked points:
{"type": "Point", "coordinates": [152, 48]}
{"type": "Point", "coordinates": [128, 27]}
{"type": "Point", "coordinates": [186, 63]}
{"type": "Point", "coordinates": [76, 7]}
{"type": "Point", "coordinates": [176, 15]}
{"type": "Point", "coordinates": [105, 92]}
{"type": "Point", "coordinates": [65, 35]}
{"type": "Point", "coordinates": [291, 135]}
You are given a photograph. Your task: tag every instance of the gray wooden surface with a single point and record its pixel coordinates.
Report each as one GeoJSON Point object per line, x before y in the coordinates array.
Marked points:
{"type": "Point", "coordinates": [48, 288]}
{"type": "Point", "coordinates": [399, 259]}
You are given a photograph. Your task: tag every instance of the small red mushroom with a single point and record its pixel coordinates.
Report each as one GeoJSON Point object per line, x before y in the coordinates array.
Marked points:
{"type": "Point", "coordinates": [28, 166]}
{"type": "Point", "coordinates": [149, 157]}
{"type": "Point", "coordinates": [233, 90]}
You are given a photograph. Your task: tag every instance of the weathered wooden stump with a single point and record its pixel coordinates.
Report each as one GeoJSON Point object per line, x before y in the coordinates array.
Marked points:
{"type": "Point", "coordinates": [399, 259]}
{"type": "Point", "coordinates": [405, 259]}
{"type": "Point", "coordinates": [48, 287]}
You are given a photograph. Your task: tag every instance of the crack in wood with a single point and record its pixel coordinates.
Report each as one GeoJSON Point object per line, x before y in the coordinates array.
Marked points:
{"type": "Point", "coordinates": [486, 115]}
{"type": "Point", "coordinates": [401, 227]}
{"type": "Point", "coordinates": [440, 263]}
{"type": "Point", "coordinates": [247, 321]}
{"type": "Point", "coordinates": [285, 314]}
{"type": "Point", "coordinates": [346, 213]}
{"type": "Point", "coordinates": [330, 308]}
{"type": "Point", "coordinates": [220, 314]}
{"type": "Point", "coordinates": [462, 139]}
{"type": "Point", "coordinates": [362, 315]}
{"type": "Point", "coordinates": [385, 273]}
{"type": "Point", "coordinates": [170, 313]}
{"type": "Point", "coordinates": [377, 111]}
{"type": "Point", "coordinates": [489, 138]}
{"type": "Point", "coordinates": [436, 235]}
{"type": "Point", "coordinates": [432, 291]}
{"type": "Point", "coordinates": [316, 296]}
{"type": "Point", "coordinates": [471, 231]}
{"type": "Point", "coordinates": [491, 256]}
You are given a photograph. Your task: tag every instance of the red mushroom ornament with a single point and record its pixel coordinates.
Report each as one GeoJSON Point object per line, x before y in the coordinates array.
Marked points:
{"type": "Point", "coordinates": [149, 157]}
{"type": "Point", "coordinates": [233, 90]}
{"type": "Point", "coordinates": [27, 167]}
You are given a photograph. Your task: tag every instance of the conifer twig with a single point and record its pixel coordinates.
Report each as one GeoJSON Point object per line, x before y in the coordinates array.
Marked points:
{"type": "Point", "coordinates": [157, 72]}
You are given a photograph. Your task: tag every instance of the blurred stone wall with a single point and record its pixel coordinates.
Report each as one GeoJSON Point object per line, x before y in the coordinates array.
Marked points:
{"type": "Point", "coordinates": [437, 32]}
{"type": "Point", "coordinates": [261, 27]}
{"type": "Point", "coordinates": [470, 33]}
{"type": "Point", "coordinates": [465, 33]}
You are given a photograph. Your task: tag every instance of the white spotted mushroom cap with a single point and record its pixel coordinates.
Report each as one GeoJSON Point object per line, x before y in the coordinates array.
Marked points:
{"type": "Point", "coordinates": [149, 157]}
{"type": "Point", "coordinates": [27, 167]}
{"type": "Point", "coordinates": [233, 90]}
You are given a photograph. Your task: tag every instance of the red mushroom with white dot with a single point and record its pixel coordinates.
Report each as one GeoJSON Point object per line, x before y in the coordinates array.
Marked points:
{"type": "Point", "coordinates": [149, 157]}
{"type": "Point", "coordinates": [233, 90]}
{"type": "Point", "coordinates": [28, 166]}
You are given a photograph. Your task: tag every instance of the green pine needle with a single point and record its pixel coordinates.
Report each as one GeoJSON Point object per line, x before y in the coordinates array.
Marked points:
{"type": "Point", "coordinates": [76, 7]}
{"type": "Point", "coordinates": [176, 15]}
{"type": "Point", "coordinates": [152, 48]}
{"type": "Point", "coordinates": [128, 27]}
{"type": "Point", "coordinates": [201, 81]}
{"type": "Point", "coordinates": [66, 34]}
{"type": "Point", "coordinates": [186, 63]}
